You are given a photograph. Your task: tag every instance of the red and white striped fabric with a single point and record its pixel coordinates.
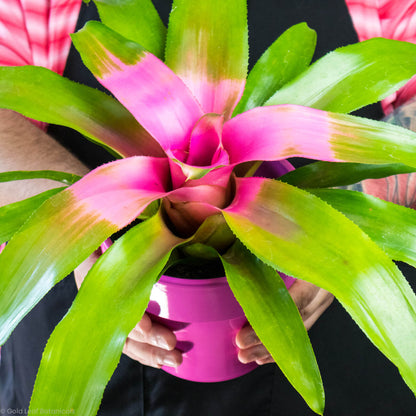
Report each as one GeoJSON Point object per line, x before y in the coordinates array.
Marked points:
{"type": "Point", "coordinates": [392, 19]}
{"type": "Point", "coordinates": [36, 32]}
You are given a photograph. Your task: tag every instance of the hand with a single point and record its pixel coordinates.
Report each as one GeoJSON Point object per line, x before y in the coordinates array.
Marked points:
{"type": "Point", "coordinates": [149, 343]}
{"type": "Point", "coordinates": [152, 344]}
{"type": "Point", "coordinates": [311, 301]}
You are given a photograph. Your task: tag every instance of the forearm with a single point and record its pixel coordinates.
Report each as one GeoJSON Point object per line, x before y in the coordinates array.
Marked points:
{"type": "Point", "coordinates": [400, 189]}
{"type": "Point", "coordinates": [24, 146]}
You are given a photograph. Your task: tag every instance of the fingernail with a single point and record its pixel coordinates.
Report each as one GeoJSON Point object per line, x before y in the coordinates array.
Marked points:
{"type": "Point", "coordinates": [170, 362]}
{"type": "Point", "coordinates": [161, 342]}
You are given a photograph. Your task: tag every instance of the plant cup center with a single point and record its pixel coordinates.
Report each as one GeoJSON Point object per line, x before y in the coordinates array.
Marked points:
{"type": "Point", "coordinates": [188, 207]}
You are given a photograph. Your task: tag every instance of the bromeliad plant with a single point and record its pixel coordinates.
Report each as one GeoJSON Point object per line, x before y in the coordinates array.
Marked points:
{"type": "Point", "coordinates": [189, 129]}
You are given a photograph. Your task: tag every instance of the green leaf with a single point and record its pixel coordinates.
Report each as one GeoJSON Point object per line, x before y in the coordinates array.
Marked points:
{"type": "Point", "coordinates": [302, 236]}
{"type": "Point", "coordinates": [104, 51]}
{"type": "Point", "coordinates": [84, 349]}
{"type": "Point", "coordinates": [43, 252]}
{"type": "Point", "coordinates": [352, 76]}
{"type": "Point", "coordinates": [150, 211]}
{"type": "Point", "coordinates": [275, 318]}
{"type": "Point", "coordinates": [391, 226]}
{"type": "Point", "coordinates": [331, 174]}
{"type": "Point", "coordinates": [286, 58]}
{"type": "Point", "coordinates": [137, 20]}
{"type": "Point", "coordinates": [68, 227]}
{"type": "Point", "coordinates": [13, 216]}
{"type": "Point", "coordinates": [18, 175]}
{"type": "Point", "coordinates": [41, 94]}
{"type": "Point", "coordinates": [212, 237]}
{"type": "Point", "coordinates": [207, 47]}
{"type": "Point", "coordinates": [214, 232]}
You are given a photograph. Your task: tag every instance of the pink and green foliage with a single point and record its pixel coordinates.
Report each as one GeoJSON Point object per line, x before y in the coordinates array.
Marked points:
{"type": "Point", "coordinates": [192, 131]}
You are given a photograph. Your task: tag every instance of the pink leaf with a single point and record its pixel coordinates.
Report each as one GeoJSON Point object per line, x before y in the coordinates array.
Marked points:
{"type": "Point", "coordinates": [205, 148]}
{"type": "Point", "coordinates": [277, 132]}
{"type": "Point", "coordinates": [218, 97]}
{"type": "Point", "coordinates": [218, 177]}
{"type": "Point", "coordinates": [188, 206]}
{"type": "Point", "coordinates": [207, 46]}
{"type": "Point", "coordinates": [119, 191]}
{"type": "Point", "coordinates": [247, 190]}
{"type": "Point", "coordinates": [155, 96]}
{"type": "Point", "coordinates": [282, 131]}
{"type": "Point", "coordinates": [205, 153]}
{"type": "Point", "coordinates": [187, 217]}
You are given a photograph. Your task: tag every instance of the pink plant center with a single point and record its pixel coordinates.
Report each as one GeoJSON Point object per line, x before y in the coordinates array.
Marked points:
{"type": "Point", "coordinates": [189, 205]}
{"type": "Point", "coordinates": [205, 144]}
{"type": "Point", "coordinates": [193, 200]}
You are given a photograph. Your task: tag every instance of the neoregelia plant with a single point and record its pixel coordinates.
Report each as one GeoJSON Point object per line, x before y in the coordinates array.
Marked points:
{"type": "Point", "coordinates": [189, 129]}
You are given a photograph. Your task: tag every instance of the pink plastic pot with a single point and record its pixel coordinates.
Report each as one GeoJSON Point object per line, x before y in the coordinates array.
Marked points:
{"type": "Point", "coordinates": [205, 317]}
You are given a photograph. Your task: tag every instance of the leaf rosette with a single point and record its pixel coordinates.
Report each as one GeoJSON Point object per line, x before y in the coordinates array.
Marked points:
{"type": "Point", "coordinates": [189, 128]}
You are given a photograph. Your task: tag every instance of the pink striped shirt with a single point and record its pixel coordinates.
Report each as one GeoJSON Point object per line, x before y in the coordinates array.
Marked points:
{"type": "Point", "coordinates": [36, 32]}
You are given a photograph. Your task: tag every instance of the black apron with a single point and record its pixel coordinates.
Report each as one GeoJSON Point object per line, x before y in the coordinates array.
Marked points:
{"type": "Point", "coordinates": [358, 380]}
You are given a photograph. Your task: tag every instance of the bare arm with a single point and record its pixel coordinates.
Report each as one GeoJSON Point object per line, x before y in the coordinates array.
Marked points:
{"type": "Point", "coordinates": [23, 146]}
{"type": "Point", "coordinates": [400, 189]}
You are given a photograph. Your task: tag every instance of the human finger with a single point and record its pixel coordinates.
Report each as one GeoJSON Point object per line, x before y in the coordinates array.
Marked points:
{"type": "Point", "coordinates": [257, 353]}
{"type": "Point", "coordinates": [153, 333]}
{"type": "Point", "coordinates": [246, 337]}
{"type": "Point", "coordinates": [151, 355]}
{"type": "Point", "coordinates": [311, 300]}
